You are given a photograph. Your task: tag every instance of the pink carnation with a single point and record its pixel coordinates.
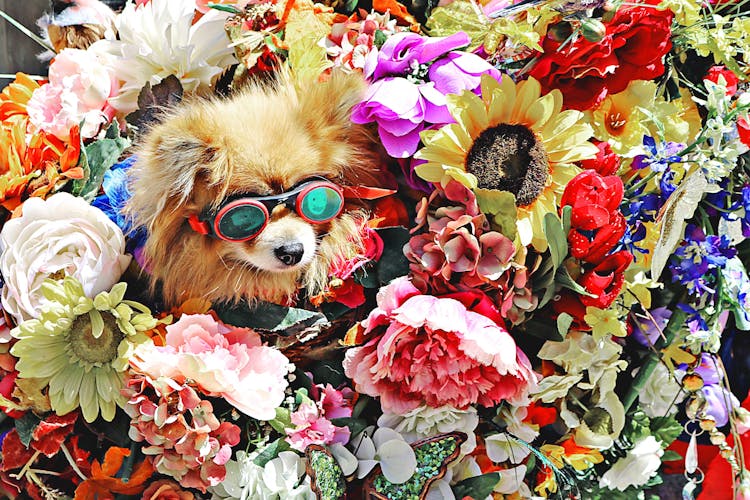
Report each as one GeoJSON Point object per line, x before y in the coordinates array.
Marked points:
{"type": "Point", "coordinates": [429, 350]}
{"type": "Point", "coordinates": [223, 361]}
{"type": "Point", "coordinates": [78, 91]}
{"type": "Point", "coordinates": [312, 428]}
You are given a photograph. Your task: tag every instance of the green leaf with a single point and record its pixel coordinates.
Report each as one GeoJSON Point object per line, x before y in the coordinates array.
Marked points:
{"type": "Point", "coordinates": [25, 427]}
{"type": "Point", "coordinates": [271, 451]}
{"type": "Point", "coordinates": [543, 281]}
{"type": "Point", "coordinates": [556, 238]}
{"type": "Point", "coordinates": [671, 455]}
{"type": "Point", "coordinates": [564, 320]}
{"type": "Point", "coordinates": [99, 157]}
{"type": "Point", "coordinates": [500, 209]}
{"type": "Point", "coordinates": [282, 421]}
{"type": "Point", "coordinates": [355, 425]}
{"type": "Point", "coordinates": [328, 372]}
{"type": "Point", "coordinates": [563, 278]}
{"type": "Point", "coordinates": [665, 429]}
{"type": "Point", "coordinates": [477, 487]}
{"type": "Point", "coordinates": [380, 36]}
{"type": "Point", "coordinates": [270, 317]}
{"type": "Point", "coordinates": [393, 262]}
{"type": "Point", "coordinates": [543, 328]}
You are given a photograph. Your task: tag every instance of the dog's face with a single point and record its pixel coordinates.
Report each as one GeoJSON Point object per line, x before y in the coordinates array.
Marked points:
{"type": "Point", "coordinates": [262, 142]}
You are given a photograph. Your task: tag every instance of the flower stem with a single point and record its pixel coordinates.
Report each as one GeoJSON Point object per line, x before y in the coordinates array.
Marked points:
{"type": "Point", "coordinates": [129, 461]}
{"type": "Point", "coordinates": [670, 331]}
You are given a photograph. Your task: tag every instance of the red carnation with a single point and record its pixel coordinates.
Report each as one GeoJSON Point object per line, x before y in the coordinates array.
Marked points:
{"type": "Point", "coordinates": [605, 280]}
{"type": "Point", "coordinates": [596, 223]}
{"type": "Point", "coordinates": [607, 162]}
{"type": "Point", "coordinates": [636, 40]}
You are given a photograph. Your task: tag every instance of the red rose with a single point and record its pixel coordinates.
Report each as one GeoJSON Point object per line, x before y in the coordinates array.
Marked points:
{"type": "Point", "coordinates": [596, 223]}
{"type": "Point", "coordinates": [633, 47]}
{"type": "Point", "coordinates": [743, 130]}
{"type": "Point", "coordinates": [729, 77]}
{"type": "Point", "coordinates": [605, 280]}
{"type": "Point", "coordinates": [607, 162]}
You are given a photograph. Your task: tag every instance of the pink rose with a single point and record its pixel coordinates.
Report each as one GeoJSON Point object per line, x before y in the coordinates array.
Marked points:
{"type": "Point", "coordinates": [427, 350]}
{"type": "Point", "coordinates": [312, 428]}
{"type": "Point", "coordinates": [224, 361]}
{"type": "Point", "coordinates": [78, 92]}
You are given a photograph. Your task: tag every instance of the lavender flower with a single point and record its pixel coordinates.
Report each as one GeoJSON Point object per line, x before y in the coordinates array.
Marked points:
{"type": "Point", "coordinates": [695, 263]}
{"type": "Point", "coordinates": [657, 157]}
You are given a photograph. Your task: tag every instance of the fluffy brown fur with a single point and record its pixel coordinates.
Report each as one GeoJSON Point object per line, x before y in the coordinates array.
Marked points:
{"type": "Point", "coordinates": [263, 140]}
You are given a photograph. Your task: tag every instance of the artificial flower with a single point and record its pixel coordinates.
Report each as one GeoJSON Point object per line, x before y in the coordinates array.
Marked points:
{"type": "Point", "coordinates": [730, 79]}
{"type": "Point", "coordinates": [662, 393]}
{"type": "Point", "coordinates": [411, 76]}
{"type": "Point", "coordinates": [351, 42]}
{"type": "Point", "coordinates": [606, 161]}
{"type": "Point", "coordinates": [158, 39]}
{"type": "Point", "coordinates": [604, 282]}
{"type": "Point", "coordinates": [165, 489]}
{"type": "Point", "coordinates": [103, 483]}
{"type": "Point", "coordinates": [222, 361]}
{"type": "Point", "coordinates": [387, 448]}
{"type": "Point", "coordinates": [427, 350]}
{"type": "Point", "coordinates": [58, 237]}
{"type": "Point", "coordinates": [181, 432]}
{"type": "Point", "coordinates": [637, 467]}
{"type": "Point", "coordinates": [77, 93]}
{"type": "Point", "coordinates": [81, 346]}
{"type": "Point", "coordinates": [310, 427]}
{"type": "Point", "coordinates": [636, 40]}
{"type": "Point", "coordinates": [619, 118]}
{"type": "Point", "coordinates": [512, 139]}
{"type": "Point", "coordinates": [596, 223]}
{"type": "Point", "coordinates": [425, 421]}
{"type": "Point", "coordinates": [282, 478]}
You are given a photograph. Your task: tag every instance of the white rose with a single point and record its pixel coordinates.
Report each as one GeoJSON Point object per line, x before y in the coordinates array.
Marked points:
{"type": "Point", "coordinates": [424, 421]}
{"type": "Point", "coordinates": [635, 468]}
{"type": "Point", "coordinates": [661, 394]}
{"type": "Point", "coordinates": [57, 237]}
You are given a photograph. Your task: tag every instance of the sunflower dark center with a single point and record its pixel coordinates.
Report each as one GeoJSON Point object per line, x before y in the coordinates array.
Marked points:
{"type": "Point", "coordinates": [91, 349]}
{"type": "Point", "coordinates": [509, 158]}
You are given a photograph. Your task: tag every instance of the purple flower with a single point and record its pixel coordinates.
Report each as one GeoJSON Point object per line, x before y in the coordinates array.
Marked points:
{"type": "Point", "coordinates": [745, 201]}
{"type": "Point", "coordinates": [697, 262]}
{"type": "Point", "coordinates": [658, 157]}
{"type": "Point", "coordinates": [411, 75]}
{"type": "Point", "coordinates": [647, 329]}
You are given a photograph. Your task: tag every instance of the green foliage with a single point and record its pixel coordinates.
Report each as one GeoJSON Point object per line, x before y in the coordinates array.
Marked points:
{"type": "Point", "coordinates": [96, 159]}
{"type": "Point", "coordinates": [271, 451]}
{"type": "Point", "coordinates": [25, 426]}
{"type": "Point", "coordinates": [477, 487]}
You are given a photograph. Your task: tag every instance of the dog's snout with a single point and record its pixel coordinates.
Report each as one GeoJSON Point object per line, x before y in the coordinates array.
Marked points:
{"type": "Point", "coordinates": [290, 253]}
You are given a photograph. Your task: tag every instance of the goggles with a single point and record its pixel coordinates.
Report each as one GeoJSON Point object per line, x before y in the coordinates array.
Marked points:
{"type": "Point", "coordinates": [243, 218]}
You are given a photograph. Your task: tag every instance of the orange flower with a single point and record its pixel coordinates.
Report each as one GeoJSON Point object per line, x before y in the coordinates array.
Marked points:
{"type": "Point", "coordinates": [14, 97]}
{"type": "Point", "coordinates": [102, 484]}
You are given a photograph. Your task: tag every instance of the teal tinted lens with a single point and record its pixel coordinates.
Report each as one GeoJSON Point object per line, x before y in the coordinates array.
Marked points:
{"type": "Point", "coordinates": [241, 222]}
{"type": "Point", "coordinates": [321, 204]}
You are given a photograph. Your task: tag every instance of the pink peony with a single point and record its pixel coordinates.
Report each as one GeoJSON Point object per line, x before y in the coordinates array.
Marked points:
{"type": "Point", "coordinates": [223, 361]}
{"type": "Point", "coordinates": [78, 91]}
{"type": "Point", "coordinates": [429, 350]}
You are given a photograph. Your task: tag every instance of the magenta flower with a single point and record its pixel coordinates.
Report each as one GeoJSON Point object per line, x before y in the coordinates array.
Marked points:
{"type": "Point", "coordinates": [411, 75]}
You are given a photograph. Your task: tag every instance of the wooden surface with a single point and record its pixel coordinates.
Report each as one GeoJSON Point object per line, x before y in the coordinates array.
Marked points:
{"type": "Point", "coordinates": [17, 51]}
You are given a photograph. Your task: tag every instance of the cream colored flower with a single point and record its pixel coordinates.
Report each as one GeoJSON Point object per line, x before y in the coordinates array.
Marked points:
{"type": "Point", "coordinates": [511, 139]}
{"type": "Point", "coordinates": [158, 39]}
{"type": "Point", "coordinates": [80, 347]}
{"type": "Point", "coordinates": [57, 237]}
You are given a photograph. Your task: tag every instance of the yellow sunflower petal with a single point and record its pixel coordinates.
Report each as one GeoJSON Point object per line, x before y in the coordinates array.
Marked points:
{"type": "Point", "coordinates": [540, 112]}
{"type": "Point", "coordinates": [488, 86]}
{"type": "Point", "coordinates": [528, 92]}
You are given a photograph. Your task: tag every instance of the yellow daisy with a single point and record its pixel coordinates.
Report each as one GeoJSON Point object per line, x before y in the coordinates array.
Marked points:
{"type": "Point", "coordinates": [80, 347]}
{"type": "Point", "coordinates": [511, 139]}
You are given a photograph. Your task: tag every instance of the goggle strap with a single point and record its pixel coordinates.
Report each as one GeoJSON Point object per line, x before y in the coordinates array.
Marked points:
{"type": "Point", "coordinates": [198, 225]}
{"type": "Point", "coordinates": [366, 192]}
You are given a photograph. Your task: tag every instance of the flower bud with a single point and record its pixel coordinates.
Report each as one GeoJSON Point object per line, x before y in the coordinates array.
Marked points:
{"type": "Point", "coordinates": [593, 30]}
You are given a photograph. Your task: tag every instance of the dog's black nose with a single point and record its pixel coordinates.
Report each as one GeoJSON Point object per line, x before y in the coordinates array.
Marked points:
{"type": "Point", "coordinates": [290, 254]}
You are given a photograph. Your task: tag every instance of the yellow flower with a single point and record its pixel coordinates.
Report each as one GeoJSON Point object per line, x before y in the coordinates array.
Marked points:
{"type": "Point", "coordinates": [604, 322]}
{"type": "Point", "coordinates": [511, 139]}
{"type": "Point", "coordinates": [80, 347]}
{"type": "Point", "coordinates": [619, 119]}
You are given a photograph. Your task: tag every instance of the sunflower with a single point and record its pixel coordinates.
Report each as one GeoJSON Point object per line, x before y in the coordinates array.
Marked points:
{"type": "Point", "coordinates": [80, 346]}
{"type": "Point", "coordinates": [511, 139]}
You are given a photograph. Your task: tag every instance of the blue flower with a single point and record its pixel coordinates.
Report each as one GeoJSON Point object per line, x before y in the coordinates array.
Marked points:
{"type": "Point", "coordinates": [745, 203]}
{"type": "Point", "coordinates": [116, 195]}
{"type": "Point", "coordinates": [695, 264]}
{"type": "Point", "coordinates": [658, 157]}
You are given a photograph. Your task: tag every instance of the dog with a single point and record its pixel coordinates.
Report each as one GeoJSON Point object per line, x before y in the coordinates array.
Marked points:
{"type": "Point", "coordinates": [264, 142]}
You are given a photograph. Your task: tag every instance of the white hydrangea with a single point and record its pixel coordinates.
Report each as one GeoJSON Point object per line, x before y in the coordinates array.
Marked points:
{"type": "Point", "coordinates": [282, 478]}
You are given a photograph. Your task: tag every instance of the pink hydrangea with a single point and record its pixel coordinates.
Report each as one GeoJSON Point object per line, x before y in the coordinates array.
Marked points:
{"type": "Point", "coordinates": [427, 350]}
{"type": "Point", "coordinates": [78, 91]}
{"type": "Point", "coordinates": [186, 439]}
{"type": "Point", "coordinates": [222, 361]}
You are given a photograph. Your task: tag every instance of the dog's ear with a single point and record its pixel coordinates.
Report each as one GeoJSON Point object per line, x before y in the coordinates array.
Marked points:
{"type": "Point", "coordinates": [170, 162]}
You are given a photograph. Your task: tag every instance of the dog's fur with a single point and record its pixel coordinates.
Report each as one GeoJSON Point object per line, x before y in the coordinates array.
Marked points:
{"type": "Point", "coordinates": [264, 140]}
